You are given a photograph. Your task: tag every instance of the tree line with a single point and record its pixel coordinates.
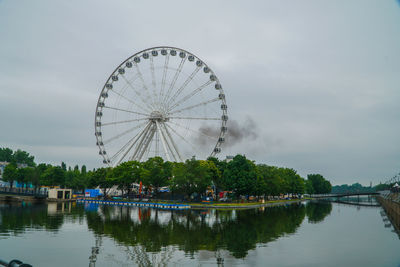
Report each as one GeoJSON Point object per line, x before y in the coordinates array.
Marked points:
{"type": "Point", "coordinates": [18, 156]}
{"type": "Point", "coordinates": [240, 176]}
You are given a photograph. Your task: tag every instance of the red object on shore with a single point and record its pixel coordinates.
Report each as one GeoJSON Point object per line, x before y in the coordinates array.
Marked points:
{"type": "Point", "coordinates": [140, 188]}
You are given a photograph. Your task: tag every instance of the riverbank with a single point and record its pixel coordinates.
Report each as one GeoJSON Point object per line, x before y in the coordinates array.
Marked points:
{"type": "Point", "coordinates": [189, 205]}
{"type": "Point", "coordinates": [249, 205]}
{"type": "Point", "coordinates": [391, 204]}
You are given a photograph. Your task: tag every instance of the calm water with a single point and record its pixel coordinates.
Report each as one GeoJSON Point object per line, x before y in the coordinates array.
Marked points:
{"type": "Point", "coordinates": [302, 234]}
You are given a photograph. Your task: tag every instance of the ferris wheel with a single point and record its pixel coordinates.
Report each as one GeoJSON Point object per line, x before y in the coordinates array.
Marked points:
{"type": "Point", "coordinates": [162, 101]}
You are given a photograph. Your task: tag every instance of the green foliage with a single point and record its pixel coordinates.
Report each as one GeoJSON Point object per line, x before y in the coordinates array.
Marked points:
{"type": "Point", "coordinates": [10, 174]}
{"type": "Point", "coordinates": [16, 157]}
{"type": "Point", "coordinates": [319, 184]}
{"type": "Point", "coordinates": [240, 176]}
{"type": "Point", "coordinates": [125, 174]}
{"type": "Point", "coordinates": [6, 154]}
{"type": "Point", "coordinates": [381, 187]}
{"type": "Point", "coordinates": [53, 175]}
{"type": "Point", "coordinates": [155, 173]}
{"type": "Point", "coordinates": [218, 170]}
{"type": "Point", "coordinates": [101, 178]}
{"type": "Point", "coordinates": [193, 176]}
{"type": "Point", "coordinates": [274, 181]}
{"type": "Point", "coordinates": [356, 187]}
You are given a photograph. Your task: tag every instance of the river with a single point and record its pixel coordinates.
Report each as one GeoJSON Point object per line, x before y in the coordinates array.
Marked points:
{"type": "Point", "coordinates": [299, 234]}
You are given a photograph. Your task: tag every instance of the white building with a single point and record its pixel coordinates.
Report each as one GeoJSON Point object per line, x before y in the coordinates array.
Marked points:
{"type": "Point", "coordinates": [3, 164]}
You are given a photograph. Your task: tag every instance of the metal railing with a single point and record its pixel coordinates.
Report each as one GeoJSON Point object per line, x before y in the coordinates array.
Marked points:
{"type": "Point", "coordinates": [22, 191]}
{"type": "Point", "coordinates": [14, 263]}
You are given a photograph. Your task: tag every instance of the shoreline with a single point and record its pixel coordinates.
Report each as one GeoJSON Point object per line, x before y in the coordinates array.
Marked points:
{"type": "Point", "coordinates": [161, 204]}
{"type": "Point", "coordinates": [188, 205]}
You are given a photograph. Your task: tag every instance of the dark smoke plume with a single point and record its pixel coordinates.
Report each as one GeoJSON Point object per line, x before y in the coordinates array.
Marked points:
{"type": "Point", "coordinates": [237, 132]}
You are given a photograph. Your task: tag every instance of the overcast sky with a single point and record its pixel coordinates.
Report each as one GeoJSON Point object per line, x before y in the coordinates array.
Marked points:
{"type": "Point", "coordinates": [319, 79]}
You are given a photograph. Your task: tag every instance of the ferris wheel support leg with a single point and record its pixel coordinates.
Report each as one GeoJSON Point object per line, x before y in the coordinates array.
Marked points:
{"type": "Point", "coordinates": [147, 142]}
{"type": "Point", "coordinates": [163, 141]}
{"type": "Point", "coordinates": [130, 147]}
{"type": "Point", "coordinates": [169, 146]}
{"type": "Point", "coordinates": [141, 143]}
{"type": "Point", "coordinates": [172, 142]}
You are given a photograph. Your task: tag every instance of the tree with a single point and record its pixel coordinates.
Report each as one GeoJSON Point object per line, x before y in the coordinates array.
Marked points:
{"type": "Point", "coordinates": [193, 176]}
{"type": "Point", "coordinates": [35, 177]}
{"type": "Point", "coordinates": [125, 174]}
{"type": "Point", "coordinates": [10, 174]}
{"type": "Point", "coordinates": [218, 170]}
{"type": "Point", "coordinates": [294, 182]}
{"type": "Point", "coordinates": [156, 173]}
{"type": "Point", "coordinates": [63, 166]}
{"type": "Point", "coordinates": [240, 176]}
{"type": "Point", "coordinates": [23, 157]}
{"type": "Point", "coordinates": [52, 176]}
{"type": "Point", "coordinates": [83, 169]}
{"type": "Point", "coordinates": [6, 154]}
{"type": "Point", "coordinates": [100, 178]}
{"type": "Point", "coordinates": [309, 187]}
{"type": "Point", "coordinates": [319, 184]}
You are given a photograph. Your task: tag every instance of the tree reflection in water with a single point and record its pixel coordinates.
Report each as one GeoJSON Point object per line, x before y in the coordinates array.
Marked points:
{"type": "Point", "coordinates": [318, 210]}
{"type": "Point", "coordinates": [146, 233]}
{"type": "Point", "coordinates": [193, 230]}
{"type": "Point", "coordinates": [16, 218]}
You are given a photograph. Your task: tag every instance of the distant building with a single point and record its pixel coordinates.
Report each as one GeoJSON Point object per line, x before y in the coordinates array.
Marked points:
{"type": "Point", "coordinates": [60, 194]}
{"type": "Point", "coordinates": [228, 158]}
{"type": "Point", "coordinates": [3, 164]}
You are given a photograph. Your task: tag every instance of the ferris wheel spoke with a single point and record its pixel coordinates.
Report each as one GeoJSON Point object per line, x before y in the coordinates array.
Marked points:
{"type": "Point", "coordinates": [177, 73]}
{"type": "Point", "coordinates": [184, 139]}
{"type": "Point", "coordinates": [132, 142]}
{"type": "Point", "coordinates": [165, 70]}
{"type": "Point", "coordinates": [169, 145]}
{"type": "Point", "coordinates": [144, 83]}
{"type": "Point", "coordinates": [195, 118]}
{"type": "Point", "coordinates": [130, 101]}
{"type": "Point", "coordinates": [172, 142]}
{"type": "Point", "coordinates": [188, 80]}
{"type": "Point", "coordinates": [192, 130]}
{"type": "Point", "coordinates": [195, 106]}
{"type": "Point", "coordinates": [153, 78]}
{"type": "Point", "coordinates": [136, 92]}
{"type": "Point", "coordinates": [125, 110]}
{"type": "Point", "coordinates": [140, 143]}
{"type": "Point", "coordinates": [124, 133]}
{"type": "Point", "coordinates": [163, 141]}
{"type": "Point", "coordinates": [124, 147]}
{"type": "Point", "coordinates": [119, 122]}
{"type": "Point", "coordinates": [146, 143]}
{"type": "Point", "coordinates": [147, 152]}
{"type": "Point", "coordinates": [194, 92]}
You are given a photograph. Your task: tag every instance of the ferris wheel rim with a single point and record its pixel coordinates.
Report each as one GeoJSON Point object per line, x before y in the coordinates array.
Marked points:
{"type": "Point", "coordinates": [100, 104]}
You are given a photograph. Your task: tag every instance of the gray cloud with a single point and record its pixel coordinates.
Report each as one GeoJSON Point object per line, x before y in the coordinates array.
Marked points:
{"type": "Point", "coordinates": [319, 80]}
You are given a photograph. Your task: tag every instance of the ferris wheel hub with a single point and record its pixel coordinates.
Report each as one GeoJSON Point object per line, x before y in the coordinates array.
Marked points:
{"type": "Point", "coordinates": [157, 116]}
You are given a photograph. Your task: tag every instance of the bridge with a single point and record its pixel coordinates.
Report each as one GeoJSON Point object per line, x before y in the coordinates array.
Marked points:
{"type": "Point", "coordinates": [360, 203]}
{"type": "Point", "coordinates": [12, 193]}
{"type": "Point", "coordinates": [338, 198]}
{"type": "Point", "coordinates": [340, 195]}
